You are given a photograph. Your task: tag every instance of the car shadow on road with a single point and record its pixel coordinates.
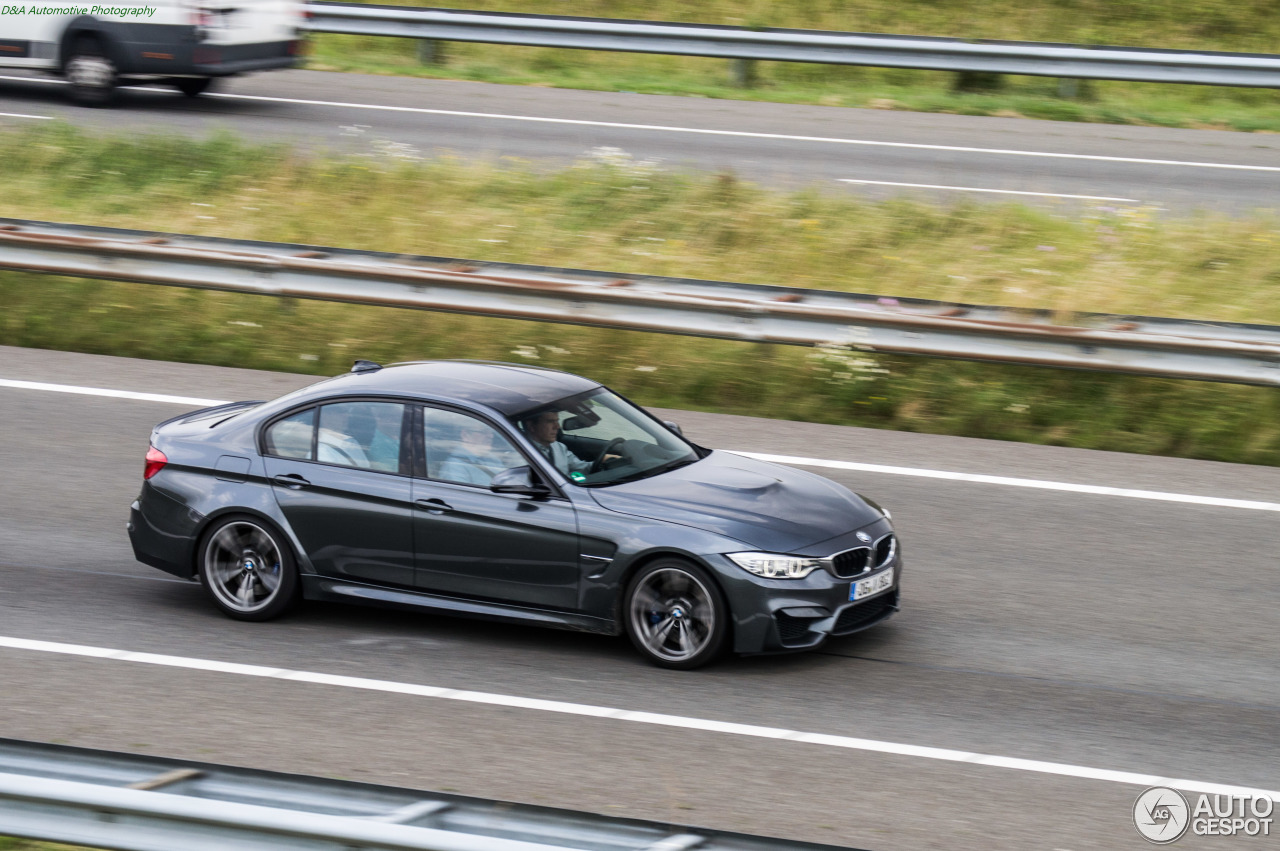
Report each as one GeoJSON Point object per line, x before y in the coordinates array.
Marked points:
{"type": "Point", "coordinates": [338, 632]}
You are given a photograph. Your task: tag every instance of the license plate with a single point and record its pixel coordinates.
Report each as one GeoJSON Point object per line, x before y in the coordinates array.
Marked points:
{"type": "Point", "coordinates": [872, 585]}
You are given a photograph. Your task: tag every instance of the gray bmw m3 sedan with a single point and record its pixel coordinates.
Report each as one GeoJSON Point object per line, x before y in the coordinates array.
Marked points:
{"type": "Point", "coordinates": [510, 493]}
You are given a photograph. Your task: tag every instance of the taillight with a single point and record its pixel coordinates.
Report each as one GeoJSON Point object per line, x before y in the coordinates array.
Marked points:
{"type": "Point", "coordinates": [155, 462]}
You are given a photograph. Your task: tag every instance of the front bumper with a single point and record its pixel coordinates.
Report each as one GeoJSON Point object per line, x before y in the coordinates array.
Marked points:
{"type": "Point", "coordinates": [785, 615]}
{"type": "Point", "coordinates": [803, 631]}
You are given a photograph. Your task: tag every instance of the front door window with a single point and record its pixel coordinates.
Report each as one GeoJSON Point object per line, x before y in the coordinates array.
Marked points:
{"type": "Point", "coordinates": [464, 449]}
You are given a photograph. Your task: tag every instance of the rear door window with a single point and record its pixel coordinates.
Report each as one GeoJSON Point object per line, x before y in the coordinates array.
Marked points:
{"type": "Point", "coordinates": [364, 435]}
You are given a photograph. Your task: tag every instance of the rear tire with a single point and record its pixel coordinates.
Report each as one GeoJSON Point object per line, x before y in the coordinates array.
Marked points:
{"type": "Point", "coordinates": [192, 87]}
{"type": "Point", "coordinates": [247, 568]}
{"type": "Point", "coordinates": [675, 615]}
{"type": "Point", "coordinates": [90, 72]}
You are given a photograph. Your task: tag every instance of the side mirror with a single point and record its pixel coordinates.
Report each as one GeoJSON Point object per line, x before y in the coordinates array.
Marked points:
{"type": "Point", "coordinates": [673, 427]}
{"type": "Point", "coordinates": [519, 480]}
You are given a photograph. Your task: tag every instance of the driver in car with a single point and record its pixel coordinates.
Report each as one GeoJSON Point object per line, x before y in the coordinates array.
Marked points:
{"type": "Point", "coordinates": [543, 429]}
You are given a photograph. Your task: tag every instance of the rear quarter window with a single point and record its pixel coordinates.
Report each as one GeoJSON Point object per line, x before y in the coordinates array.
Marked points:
{"type": "Point", "coordinates": [293, 436]}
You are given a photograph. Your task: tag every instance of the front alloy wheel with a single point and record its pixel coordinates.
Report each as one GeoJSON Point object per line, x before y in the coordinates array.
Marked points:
{"type": "Point", "coordinates": [675, 615]}
{"type": "Point", "coordinates": [247, 571]}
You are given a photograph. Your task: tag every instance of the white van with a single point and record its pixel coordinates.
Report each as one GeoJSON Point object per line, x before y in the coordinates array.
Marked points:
{"type": "Point", "coordinates": [185, 43]}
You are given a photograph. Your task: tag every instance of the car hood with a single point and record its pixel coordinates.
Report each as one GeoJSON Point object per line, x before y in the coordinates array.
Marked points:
{"type": "Point", "coordinates": [766, 506]}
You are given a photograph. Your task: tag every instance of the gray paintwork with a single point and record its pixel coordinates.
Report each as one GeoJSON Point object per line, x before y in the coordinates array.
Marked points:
{"type": "Point", "coordinates": [562, 560]}
{"type": "Point", "coordinates": [765, 506]}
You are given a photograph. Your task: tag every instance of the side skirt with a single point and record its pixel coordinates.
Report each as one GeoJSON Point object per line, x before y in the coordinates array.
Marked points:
{"type": "Point", "coordinates": [338, 591]}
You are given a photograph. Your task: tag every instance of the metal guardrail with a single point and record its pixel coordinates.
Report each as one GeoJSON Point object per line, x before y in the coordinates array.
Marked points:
{"type": "Point", "coordinates": [1175, 348]}
{"type": "Point", "coordinates": [111, 800]}
{"type": "Point", "coordinates": [832, 48]}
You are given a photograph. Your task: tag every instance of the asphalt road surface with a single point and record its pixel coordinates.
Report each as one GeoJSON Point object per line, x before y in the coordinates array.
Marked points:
{"type": "Point", "coordinates": [1109, 632]}
{"type": "Point", "coordinates": [870, 152]}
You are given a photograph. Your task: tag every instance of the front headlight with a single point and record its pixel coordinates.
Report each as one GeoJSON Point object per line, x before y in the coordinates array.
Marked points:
{"type": "Point", "coordinates": [774, 566]}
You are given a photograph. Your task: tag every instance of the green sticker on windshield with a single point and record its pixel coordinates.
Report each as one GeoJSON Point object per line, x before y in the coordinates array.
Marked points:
{"type": "Point", "coordinates": [577, 477]}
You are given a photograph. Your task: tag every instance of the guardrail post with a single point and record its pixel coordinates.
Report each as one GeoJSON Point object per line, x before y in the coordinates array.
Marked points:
{"type": "Point", "coordinates": [744, 72]}
{"type": "Point", "coordinates": [1070, 88]}
{"type": "Point", "coordinates": [431, 51]}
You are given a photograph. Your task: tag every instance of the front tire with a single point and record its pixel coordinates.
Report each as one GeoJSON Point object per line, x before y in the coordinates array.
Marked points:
{"type": "Point", "coordinates": [248, 569]}
{"type": "Point", "coordinates": [91, 73]}
{"type": "Point", "coordinates": [675, 615]}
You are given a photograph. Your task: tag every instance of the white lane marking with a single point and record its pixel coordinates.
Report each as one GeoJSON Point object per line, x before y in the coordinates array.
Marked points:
{"type": "Point", "coordinates": [799, 461]}
{"type": "Point", "coordinates": [976, 189]}
{"type": "Point", "coordinates": [23, 115]}
{"type": "Point", "coordinates": [115, 394]}
{"type": "Point", "coordinates": [616, 714]}
{"type": "Point", "coordinates": [744, 134]}
{"type": "Point", "coordinates": [1012, 482]}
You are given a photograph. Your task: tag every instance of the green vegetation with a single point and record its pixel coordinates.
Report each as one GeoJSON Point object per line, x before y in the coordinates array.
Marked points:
{"type": "Point", "coordinates": [1202, 25]}
{"type": "Point", "coordinates": [610, 212]}
{"type": "Point", "coordinates": [8, 843]}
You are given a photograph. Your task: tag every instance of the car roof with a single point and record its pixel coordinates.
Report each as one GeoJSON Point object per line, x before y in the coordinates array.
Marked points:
{"type": "Point", "coordinates": [508, 388]}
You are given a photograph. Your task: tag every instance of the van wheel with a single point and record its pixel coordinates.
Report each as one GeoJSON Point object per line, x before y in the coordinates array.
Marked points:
{"type": "Point", "coordinates": [192, 87]}
{"type": "Point", "coordinates": [91, 73]}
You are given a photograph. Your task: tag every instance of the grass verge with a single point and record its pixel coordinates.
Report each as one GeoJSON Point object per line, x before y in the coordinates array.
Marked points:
{"type": "Point", "coordinates": [8, 843]}
{"type": "Point", "coordinates": [611, 212]}
{"type": "Point", "coordinates": [1211, 25]}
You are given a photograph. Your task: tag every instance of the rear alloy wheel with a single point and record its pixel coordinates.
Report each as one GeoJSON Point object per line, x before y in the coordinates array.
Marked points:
{"type": "Point", "coordinates": [675, 615]}
{"type": "Point", "coordinates": [247, 570]}
{"type": "Point", "coordinates": [91, 73]}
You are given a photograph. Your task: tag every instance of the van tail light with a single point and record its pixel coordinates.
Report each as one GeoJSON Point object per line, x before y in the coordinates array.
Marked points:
{"type": "Point", "coordinates": [155, 462]}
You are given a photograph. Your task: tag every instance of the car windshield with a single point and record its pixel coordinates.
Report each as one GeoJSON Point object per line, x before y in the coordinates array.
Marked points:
{"type": "Point", "coordinates": [598, 438]}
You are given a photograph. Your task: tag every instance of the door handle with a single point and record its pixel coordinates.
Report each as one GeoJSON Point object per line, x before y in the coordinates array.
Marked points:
{"type": "Point", "coordinates": [434, 506]}
{"type": "Point", "coordinates": [290, 480]}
